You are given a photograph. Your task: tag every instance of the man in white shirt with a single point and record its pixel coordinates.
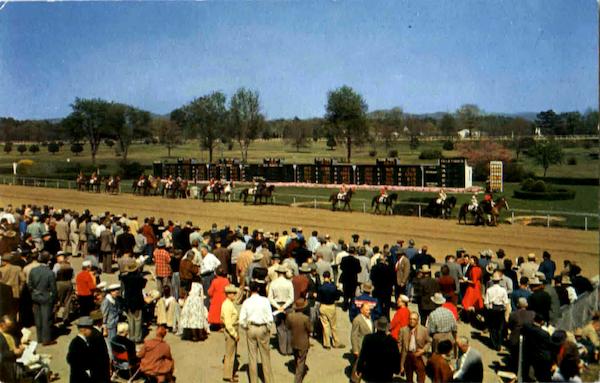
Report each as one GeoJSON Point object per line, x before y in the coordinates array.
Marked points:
{"type": "Point", "coordinates": [256, 317]}
{"type": "Point", "coordinates": [281, 297]}
{"type": "Point", "coordinates": [496, 301]}
{"type": "Point", "coordinates": [208, 265]}
{"type": "Point", "coordinates": [236, 247]}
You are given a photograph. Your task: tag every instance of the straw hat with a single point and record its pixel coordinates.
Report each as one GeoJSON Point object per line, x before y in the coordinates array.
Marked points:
{"type": "Point", "coordinates": [367, 287]}
{"type": "Point", "coordinates": [438, 299]}
{"type": "Point", "coordinates": [231, 289]}
{"type": "Point", "coordinates": [425, 269]}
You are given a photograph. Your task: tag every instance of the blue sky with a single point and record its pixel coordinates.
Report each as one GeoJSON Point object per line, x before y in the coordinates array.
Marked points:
{"type": "Point", "coordinates": [425, 56]}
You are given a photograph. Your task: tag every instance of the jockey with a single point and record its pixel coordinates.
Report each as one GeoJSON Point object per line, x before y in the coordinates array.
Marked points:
{"type": "Point", "coordinates": [111, 180]}
{"type": "Point", "coordinates": [170, 182]}
{"type": "Point", "coordinates": [382, 193]}
{"type": "Point", "coordinates": [343, 190]}
{"type": "Point", "coordinates": [488, 198]}
{"type": "Point", "coordinates": [93, 178]}
{"type": "Point", "coordinates": [441, 197]}
{"type": "Point", "coordinates": [211, 184]}
{"type": "Point", "coordinates": [141, 180]}
{"type": "Point", "coordinates": [474, 203]}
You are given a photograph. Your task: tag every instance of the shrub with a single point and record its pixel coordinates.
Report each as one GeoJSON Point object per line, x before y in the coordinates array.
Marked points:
{"type": "Point", "coordinates": [393, 153]}
{"type": "Point", "coordinates": [572, 161]}
{"type": "Point", "coordinates": [61, 143]}
{"type": "Point", "coordinates": [527, 184]}
{"type": "Point", "coordinates": [8, 147]}
{"type": "Point", "coordinates": [22, 148]}
{"type": "Point", "coordinates": [34, 148]}
{"type": "Point", "coordinates": [331, 144]}
{"type": "Point", "coordinates": [414, 143]}
{"type": "Point", "coordinates": [553, 195]}
{"type": "Point", "coordinates": [230, 145]}
{"type": "Point", "coordinates": [147, 141]}
{"type": "Point", "coordinates": [430, 154]}
{"type": "Point", "coordinates": [76, 148]}
{"type": "Point", "coordinates": [539, 186]}
{"type": "Point", "coordinates": [53, 147]}
{"type": "Point", "coordinates": [372, 153]}
{"type": "Point", "coordinates": [448, 145]}
{"type": "Point", "coordinates": [108, 142]}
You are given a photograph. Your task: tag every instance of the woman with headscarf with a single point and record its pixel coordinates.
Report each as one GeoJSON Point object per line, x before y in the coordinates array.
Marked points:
{"type": "Point", "coordinates": [194, 315]}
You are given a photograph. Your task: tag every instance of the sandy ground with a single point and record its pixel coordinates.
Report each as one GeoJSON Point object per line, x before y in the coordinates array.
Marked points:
{"type": "Point", "coordinates": [202, 362]}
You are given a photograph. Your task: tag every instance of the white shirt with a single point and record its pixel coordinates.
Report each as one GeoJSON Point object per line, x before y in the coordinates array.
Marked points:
{"type": "Point", "coordinates": [236, 248]}
{"type": "Point", "coordinates": [340, 256]}
{"type": "Point", "coordinates": [256, 310]}
{"type": "Point", "coordinates": [9, 217]}
{"type": "Point", "coordinates": [281, 290]}
{"type": "Point", "coordinates": [496, 295]}
{"type": "Point", "coordinates": [209, 263]}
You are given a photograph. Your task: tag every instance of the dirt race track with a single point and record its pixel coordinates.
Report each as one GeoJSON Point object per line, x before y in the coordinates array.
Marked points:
{"type": "Point", "coordinates": [442, 237]}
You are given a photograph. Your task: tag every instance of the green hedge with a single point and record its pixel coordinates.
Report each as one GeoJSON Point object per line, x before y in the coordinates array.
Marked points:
{"type": "Point", "coordinates": [571, 181]}
{"type": "Point", "coordinates": [554, 195]}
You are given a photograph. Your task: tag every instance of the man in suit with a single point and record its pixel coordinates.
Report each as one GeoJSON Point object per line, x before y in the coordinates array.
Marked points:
{"type": "Point", "coordinates": [469, 367]}
{"type": "Point", "coordinates": [538, 346]}
{"type": "Point", "coordinates": [425, 288]}
{"type": "Point", "coordinates": [300, 327]}
{"type": "Point", "coordinates": [42, 285]}
{"type": "Point", "coordinates": [402, 273]}
{"type": "Point", "coordinates": [516, 321]}
{"type": "Point", "coordinates": [350, 266]}
{"type": "Point", "coordinates": [361, 327]}
{"type": "Point", "coordinates": [414, 342]}
{"type": "Point", "coordinates": [379, 357]}
{"type": "Point", "coordinates": [100, 364]}
{"type": "Point", "coordinates": [80, 355]}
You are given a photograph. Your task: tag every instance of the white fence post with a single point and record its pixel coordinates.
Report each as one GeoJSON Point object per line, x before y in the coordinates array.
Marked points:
{"type": "Point", "coordinates": [364, 207]}
{"type": "Point", "coordinates": [419, 211]}
{"type": "Point", "coordinates": [585, 224]}
{"type": "Point", "coordinates": [315, 203]}
{"type": "Point", "coordinates": [548, 220]}
{"type": "Point", "coordinates": [57, 184]}
{"type": "Point", "coordinates": [512, 214]}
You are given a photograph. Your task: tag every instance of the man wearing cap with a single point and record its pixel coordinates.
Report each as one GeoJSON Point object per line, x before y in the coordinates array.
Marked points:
{"type": "Point", "coordinates": [517, 319]}
{"type": "Point", "coordinates": [365, 298]}
{"type": "Point", "coordinates": [350, 267]}
{"type": "Point", "coordinates": [256, 317]}
{"type": "Point", "coordinates": [281, 297]}
{"type": "Point", "coordinates": [80, 355]}
{"type": "Point", "coordinates": [229, 318]}
{"type": "Point", "coordinates": [441, 323]}
{"type": "Point", "coordinates": [379, 357]}
{"type": "Point", "coordinates": [496, 300]}
{"type": "Point", "coordinates": [539, 300]}
{"type": "Point", "coordinates": [301, 282]}
{"type": "Point", "coordinates": [521, 292]}
{"type": "Point", "coordinates": [300, 327]}
{"type": "Point", "coordinates": [162, 262]}
{"type": "Point", "coordinates": [110, 311]}
{"type": "Point", "coordinates": [414, 342]}
{"type": "Point", "coordinates": [529, 268]}
{"type": "Point", "coordinates": [42, 286]}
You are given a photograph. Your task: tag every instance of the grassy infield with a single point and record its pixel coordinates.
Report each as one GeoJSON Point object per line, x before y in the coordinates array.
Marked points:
{"type": "Point", "coordinates": [586, 201]}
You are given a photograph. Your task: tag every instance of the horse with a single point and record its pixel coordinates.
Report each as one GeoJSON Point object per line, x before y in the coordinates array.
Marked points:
{"type": "Point", "coordinates": [251, 191]}
{"type": "Point", "coordinates": [228, 191]}
{"type": "Point", "coordinates": [151, 186]}
{"type": "Point", "coordinates": [266, 193]}
{"type": "Point", "coordinates": [181, 189]}
{"type": "Point", "coordinates": [93, 184]}
{"type": "Point", "coordinates": [388, 203]}
{"type": "Point", "coordinates": [81, 182]}
{"type": "Point", "coordinates": [346, 198]}
{"type": "Point", "coordinates": [436, 210]}
{"type": "Point", "coordinates": [138, 186]}
{"type": "Point", "coordinates": [485, 213]}
{"type": "Point", "coordinates": [216, 191]}
{"type": "Point", "coordinates": [111, 185]}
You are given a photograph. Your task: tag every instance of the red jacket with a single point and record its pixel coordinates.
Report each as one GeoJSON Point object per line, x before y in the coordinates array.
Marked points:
{"type": "Point", "coordinates": [85, 283]}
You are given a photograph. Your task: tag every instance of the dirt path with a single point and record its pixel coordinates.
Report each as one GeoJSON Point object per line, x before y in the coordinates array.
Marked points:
{"type": "Point", "coordinates": [442, 237]}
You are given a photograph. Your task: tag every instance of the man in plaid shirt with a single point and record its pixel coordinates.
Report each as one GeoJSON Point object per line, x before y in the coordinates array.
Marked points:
{"type": "Point", "coordinates": [162, 259]}
{"type": "Point", "coordinates": [441, 323]}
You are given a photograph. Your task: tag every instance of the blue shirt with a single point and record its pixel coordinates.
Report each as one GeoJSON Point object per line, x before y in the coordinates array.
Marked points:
{"type": "Point", "coordinates": [516, 294]}
{"type": "Point", "coordinates": [358, 301]}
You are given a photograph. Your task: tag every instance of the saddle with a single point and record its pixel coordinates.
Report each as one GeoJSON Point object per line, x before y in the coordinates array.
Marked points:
{"type": "Point", "coordinates": [382, 199]}
{"type": "Point", "coordinates": [252, 191]}
{"type": "Point", "coordinates": [341, 196]}
{"type": "Point", "coordinates": [140, 183]}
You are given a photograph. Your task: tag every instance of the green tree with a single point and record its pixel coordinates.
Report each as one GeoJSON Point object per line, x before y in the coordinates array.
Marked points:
{"type": "Point", "coordinates": [34, 148]}
{"type": "Point", "coordinates": [168, 132]}
{"type": "Point", "coordinates": [245, 119]}
{"type": "Point", "coordinates": [8, 126]}
{"type": "Point", "coordinates": [548, 122]}
{"type": "Point", "coordinates": [8, 147]}
{"type": "Point", "coordinates": [125, 123]}
{"type": "Point", "coordinates": [572, 122]}
{"type": "Point", "coordinates": [414, 142]}
{"type": "Point", "coordinates": [207, 118]}
{"type": "Point", "coordinates": [346, 114]}
{"type": "Point", "coordinates": [447, 125]}
{"type": "Point", "coordinates": [546, 154]}
{"type": "Point", "coordinates": [22, 148]}
{"type": "Point", "coordinates": [590, 122]}
{"type": "Point", "coordinates": [53, 147]}
{"type": "Point", "coordinates": [76, 148]}
{"type": "Point", "coordinates": [89, 121]}
{"type": "Point", "coordinates": [297, 134]}
{"type": "Point", "coordinates": [109, 142]}
{"type": "Point", "coordinates": [469, 116]}
{"type": "Point", "coordinates": [388, 126]}
{"type": "Point", "coordinates": [331, 144]}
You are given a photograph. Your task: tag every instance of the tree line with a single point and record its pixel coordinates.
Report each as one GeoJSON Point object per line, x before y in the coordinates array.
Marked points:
{"type": "Point", "coordinates": [214, 120]}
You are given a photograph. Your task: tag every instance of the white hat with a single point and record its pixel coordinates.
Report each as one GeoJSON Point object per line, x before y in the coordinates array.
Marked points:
{"type": "Point", "coordinates": [86, 264]}
{"type": "Point", "coordinates": [404, 298]}
{"type": "Point", "coordinates": [101, 285]}
{"type": "Point", "coordinates": [113, 286]}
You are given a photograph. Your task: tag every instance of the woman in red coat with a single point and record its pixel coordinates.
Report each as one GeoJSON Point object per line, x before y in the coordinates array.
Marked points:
{"type": "Point", "coordinates": [217, 295]}
{"type": "Point", "coordinates": [473, 300]}
{"type": "Point", "coordinates": [400, 319]}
